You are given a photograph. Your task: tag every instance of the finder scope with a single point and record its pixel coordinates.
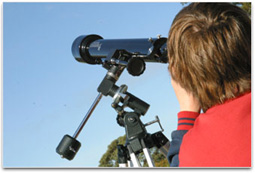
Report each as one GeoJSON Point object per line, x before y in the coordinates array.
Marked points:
{"type": "Point", "coordinates": [93, 49]}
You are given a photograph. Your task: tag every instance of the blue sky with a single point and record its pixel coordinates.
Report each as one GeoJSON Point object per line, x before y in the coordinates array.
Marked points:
{"type": "Point", "coordinates": [46, 92]}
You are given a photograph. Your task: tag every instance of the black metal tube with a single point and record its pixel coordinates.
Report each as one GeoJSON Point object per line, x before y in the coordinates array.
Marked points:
{"type": "Point", "coordinates": [92, 49]}
{"type": "Point", "coordinates": [100, 48]}
{"type": "Point", "coordinates": [137, 104]}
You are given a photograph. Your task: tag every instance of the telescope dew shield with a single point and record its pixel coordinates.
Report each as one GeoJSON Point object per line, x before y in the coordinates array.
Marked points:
{"type": "Point", "coordinates": [92, 49]}
{"type": "Point", "coordinates": [80, 48]}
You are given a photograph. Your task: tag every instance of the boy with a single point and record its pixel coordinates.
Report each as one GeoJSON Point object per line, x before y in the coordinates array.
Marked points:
{"type": "Point", "coordinates": [209, 50]}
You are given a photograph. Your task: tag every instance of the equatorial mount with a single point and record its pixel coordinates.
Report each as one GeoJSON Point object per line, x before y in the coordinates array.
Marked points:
{"type": "Point", "coordinates": [138, 139]}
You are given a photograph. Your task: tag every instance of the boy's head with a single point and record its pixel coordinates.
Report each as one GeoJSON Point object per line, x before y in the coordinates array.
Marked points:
{"type": "Point", "coordinates": [209, 50]}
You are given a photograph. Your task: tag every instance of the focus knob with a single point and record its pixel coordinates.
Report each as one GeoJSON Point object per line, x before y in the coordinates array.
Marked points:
{"type": "Point", "coordinates": [136, 66]}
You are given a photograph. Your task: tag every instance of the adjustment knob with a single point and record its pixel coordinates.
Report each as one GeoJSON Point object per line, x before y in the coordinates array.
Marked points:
{"type": "Point", "coordinates": [135, 66]}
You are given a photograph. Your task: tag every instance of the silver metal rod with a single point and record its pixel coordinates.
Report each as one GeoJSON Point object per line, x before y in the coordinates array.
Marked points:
{"type": "Point", "coordinates": [129, 164]}
{"type": "Point", "coordinates": [135, 160]}
{"type": "Point", "coordinates": [148, 157]}
{"type": "Point", "coordinates": [164, 149]}
{"type": "Point", "coordinates": [85, 119]}
{"type": "Point", "coordinates": [122, 165]}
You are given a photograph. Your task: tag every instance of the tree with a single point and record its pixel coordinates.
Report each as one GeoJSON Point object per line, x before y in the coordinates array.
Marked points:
{"type": "Point", "coordinates": [110, 157]}
{"type": "Point", "coordinates": [159, 159]}
{"type": "Point", "coordinates": [246, 6]}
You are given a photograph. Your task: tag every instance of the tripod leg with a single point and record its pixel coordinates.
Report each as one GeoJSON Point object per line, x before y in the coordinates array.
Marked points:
{"type": "Point", "coordinates": [129, 164]}
{"type": "Point", "coordinates": [123, 165]}
{"type": "Point", "coordinates": [122, 156]}
{"type": "Point", "coordinates": [148, 157]}
{"type": "Point", "coordinates": [134, 160]}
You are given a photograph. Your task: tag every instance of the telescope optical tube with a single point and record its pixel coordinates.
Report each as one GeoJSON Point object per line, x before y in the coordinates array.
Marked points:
{"type": "Point", "coordinates": [92, 49]}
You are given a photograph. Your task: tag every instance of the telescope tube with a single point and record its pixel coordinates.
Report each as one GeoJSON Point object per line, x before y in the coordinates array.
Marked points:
{"type": "Point", "coordinates": [92, 49]}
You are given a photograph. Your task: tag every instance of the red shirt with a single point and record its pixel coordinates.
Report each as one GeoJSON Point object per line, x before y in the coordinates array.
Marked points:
{"type": "Point", "coordinates": [221, 137]}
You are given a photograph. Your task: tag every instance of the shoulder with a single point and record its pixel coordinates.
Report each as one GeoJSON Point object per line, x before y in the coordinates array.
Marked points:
{"type": "Point", "coordinates": [216, 131]}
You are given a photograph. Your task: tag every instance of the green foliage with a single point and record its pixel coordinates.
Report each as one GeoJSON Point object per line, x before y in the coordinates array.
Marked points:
{"type": "Point", "coordinates": [110, 157]}
{"type": "Point", "coordinates": [159, 159]}
{"type": "Point", "coordinates": [246, 6]}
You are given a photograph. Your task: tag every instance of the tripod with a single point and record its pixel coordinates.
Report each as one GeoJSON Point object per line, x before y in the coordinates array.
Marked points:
{"type": "Point", "coordinates": [137, 138]}
{"type": "Point", "coordinates": [140, 141]}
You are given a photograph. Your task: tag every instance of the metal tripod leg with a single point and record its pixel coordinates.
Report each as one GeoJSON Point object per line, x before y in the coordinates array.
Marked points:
{"type": "Point", "coordinates": [122, 156]}
{"type": "Point", "coordinates": [135, 160]}
{"type": "Point", "coordinates": [123, 165]}
{"type": "Point", "coordinates": [148, 157]}
{"type": "Point", "coordinates": [129, 164]}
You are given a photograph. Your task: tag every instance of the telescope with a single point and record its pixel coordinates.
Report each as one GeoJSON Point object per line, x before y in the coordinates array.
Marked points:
{"type": "Point", "coordinates": [115, 55]}
{"type": "Point", "coordinates": [132, 53]}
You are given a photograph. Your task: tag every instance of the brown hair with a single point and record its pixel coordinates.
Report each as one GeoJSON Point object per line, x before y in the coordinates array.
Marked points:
{"type": "Point", "coordinates": [209, 50]}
